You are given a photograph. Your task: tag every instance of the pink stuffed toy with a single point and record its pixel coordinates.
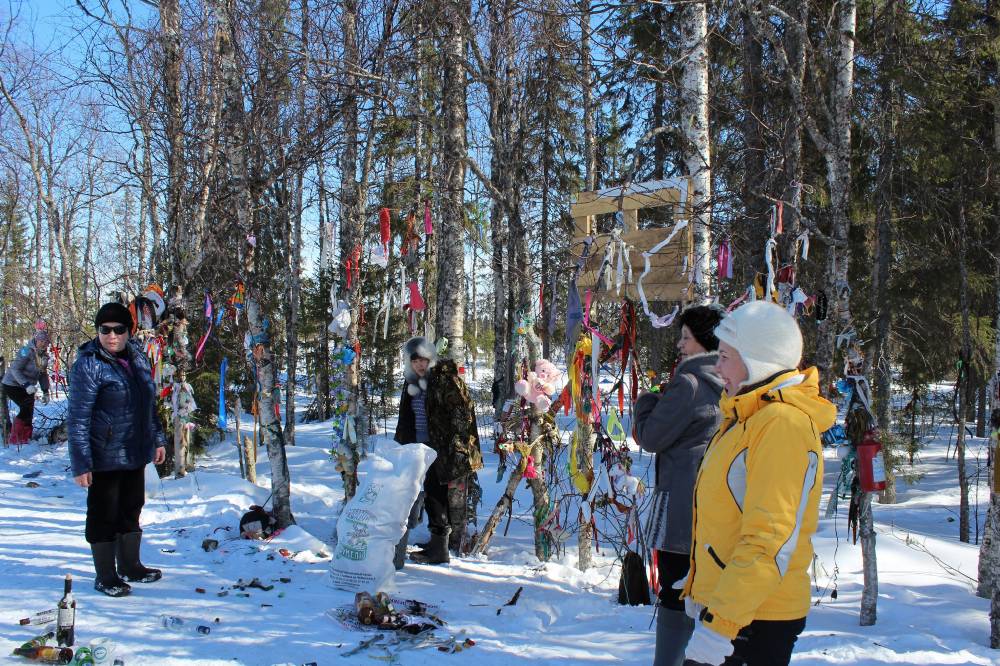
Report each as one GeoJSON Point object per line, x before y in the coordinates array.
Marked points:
{"type": "Point", "coordinates": [548, 373]}
{"type": "Point", "coordinates": [539, 385]}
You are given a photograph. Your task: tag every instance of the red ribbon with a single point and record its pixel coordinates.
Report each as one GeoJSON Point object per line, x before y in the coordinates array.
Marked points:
{"type": "Point", "coordinates": [353, 265]}
{"type": "Point", "coordinates": [428, 229]}
{"type": "Point", "coordinates": [416, 300]}
{"type": "Point", "coordinates": [384, 228]}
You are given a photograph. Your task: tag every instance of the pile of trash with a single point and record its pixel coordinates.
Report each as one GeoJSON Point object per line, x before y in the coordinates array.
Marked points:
{"type": "Point", "coordinates": [403, 624]}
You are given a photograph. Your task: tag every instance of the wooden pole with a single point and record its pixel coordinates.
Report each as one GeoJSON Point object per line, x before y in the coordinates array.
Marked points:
{"type": "Point", "coordinates": [250, 455]}
{"type": "Point", "coordinates": [239, 437]}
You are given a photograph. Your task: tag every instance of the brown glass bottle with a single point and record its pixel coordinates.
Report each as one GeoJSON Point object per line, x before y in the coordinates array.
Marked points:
{"type": "Point", "coordinates": [46, 654]}
{"type": "Point", "coordinates": [66, 620]}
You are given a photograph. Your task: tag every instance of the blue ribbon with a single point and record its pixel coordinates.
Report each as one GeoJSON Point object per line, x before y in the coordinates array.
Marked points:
{"type": "Point", "coordinates": [222, 392]}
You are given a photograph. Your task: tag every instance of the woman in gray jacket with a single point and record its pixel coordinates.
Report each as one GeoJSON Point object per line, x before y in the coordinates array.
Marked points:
{"type": "Point", "coordinates": [29, 367]}
{"type": "Point", "coordinates": [676, 423]}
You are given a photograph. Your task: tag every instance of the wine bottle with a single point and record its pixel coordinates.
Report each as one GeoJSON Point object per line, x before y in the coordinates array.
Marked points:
{"type": "Point", "coordinates": [41, 617]}
{"type": "Point", "coordinates": [46, 654]}
{"type": "Point", "coordinates": [67, 615]}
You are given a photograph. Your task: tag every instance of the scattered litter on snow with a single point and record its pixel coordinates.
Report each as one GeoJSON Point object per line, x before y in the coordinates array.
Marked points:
{"type": "Point", "coordinates": [274, 597]}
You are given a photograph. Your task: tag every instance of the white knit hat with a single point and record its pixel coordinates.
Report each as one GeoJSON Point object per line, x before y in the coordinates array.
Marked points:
{"type": "Point", "coordinates": [767, 338]}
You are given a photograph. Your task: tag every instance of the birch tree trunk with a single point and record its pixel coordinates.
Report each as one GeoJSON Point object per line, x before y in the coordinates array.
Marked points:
{"type": "Point", "coordinates": [450, 314]}
{"type": "Point", "coordinates": [295, 242]}
{"type": "Point", "coordinates": [170, 26]}
{"type": "Point", "coordinates": [502, 226]}
{"type": "Point", "coordinates": [693, 103]}
{"type": "Point", "coordinates": [149, 198]}
{"type": "Point", "coordinates": [270, 426]}
{"type": "Point", "coordinates": [869, 563]}
{"type": "Point", "coordinates": [547, 293]}
{"type": "Point", "coordinates": [422, 174]}
{"type": "Point", "coordinates": [235, 148]}
{"type": "Point", "coordinates": [834, 144]}
{"type": "Point", "coordinates": [501, 379]}
{"type": "Point", "coordinates": [350, 238]}
{"type": "Point", "coordinates": [87, 257]}
{"type": "Point", "coordinates": [475, 311]}
{"type": "Point", "coordinates": [292, 306]}
{"type": "Point", "coordinates": [836, 151]}
{"type": "Point", "coordinates": [181, 358]}
{"type": "Point", "coordinates": [325, 280]}
{"type": "Point", "coordinates": [584, 431]}
{"type": "Point", "coordinates": [989, 549]}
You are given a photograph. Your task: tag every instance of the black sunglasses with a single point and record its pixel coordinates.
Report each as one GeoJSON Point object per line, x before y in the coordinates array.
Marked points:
{"type": "Point", "coordinates": [118, 329]}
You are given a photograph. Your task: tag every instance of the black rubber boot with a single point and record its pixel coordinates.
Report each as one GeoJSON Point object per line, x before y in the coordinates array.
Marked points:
{"type": "Point", "coordinates": [399, 557]}
{"type": "Point", "coordinates": [129, 566]}
{"type": "Point", "coordinates": [436, 551]}
{"type": "Point", "coordinates": [106, 579]}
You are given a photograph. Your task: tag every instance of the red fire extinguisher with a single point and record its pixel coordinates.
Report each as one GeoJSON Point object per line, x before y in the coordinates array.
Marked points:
{"type": "Point", "coordinates": [871, 467]}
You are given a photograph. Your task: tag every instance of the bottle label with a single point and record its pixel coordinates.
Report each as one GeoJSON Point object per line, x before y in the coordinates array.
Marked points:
{"type": "Point", "coordinates": [66, 617]}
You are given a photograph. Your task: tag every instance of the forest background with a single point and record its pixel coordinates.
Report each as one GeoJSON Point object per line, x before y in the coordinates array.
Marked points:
{"type": "Point", "coordinates": [206, 144]}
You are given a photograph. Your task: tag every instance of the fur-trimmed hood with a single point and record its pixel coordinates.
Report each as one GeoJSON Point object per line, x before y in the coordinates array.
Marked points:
{"type": "Point", "coordinates": [422, 347]}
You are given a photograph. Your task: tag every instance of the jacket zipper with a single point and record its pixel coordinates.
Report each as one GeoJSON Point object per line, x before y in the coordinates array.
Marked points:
{"type": "Point", "coordinates": [718, 560]}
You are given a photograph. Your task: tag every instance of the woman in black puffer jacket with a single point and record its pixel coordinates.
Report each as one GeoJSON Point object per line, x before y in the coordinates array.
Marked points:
{"type": "Point", "coordinates": [114, 432]}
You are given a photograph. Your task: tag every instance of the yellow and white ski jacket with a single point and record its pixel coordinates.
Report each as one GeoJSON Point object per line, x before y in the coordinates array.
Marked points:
{"type": "Point", "coordinates": [756, 504]}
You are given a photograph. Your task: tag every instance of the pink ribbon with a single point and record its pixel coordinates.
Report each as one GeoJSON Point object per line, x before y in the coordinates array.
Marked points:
{"type": "Point", "coordinates": [725, 260]}
{"type": "Point", "coordinates": [428, 228]}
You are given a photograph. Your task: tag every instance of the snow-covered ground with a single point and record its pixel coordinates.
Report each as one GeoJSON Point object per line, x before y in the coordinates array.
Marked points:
{"type": "Point", "coordinates": [927, 611]}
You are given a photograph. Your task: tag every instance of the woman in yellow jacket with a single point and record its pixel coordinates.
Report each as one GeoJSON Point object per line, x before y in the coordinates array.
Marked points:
{"type": "Point", "coordinates": [756, 500]}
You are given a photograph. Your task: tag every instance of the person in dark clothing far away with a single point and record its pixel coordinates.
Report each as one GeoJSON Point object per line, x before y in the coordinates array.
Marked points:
{"type": "Point", "coordinates": [435, 409]}
{"type": "Point", "coordinates": [29, 367]}
{"type": "Point", "coordinates": [676, 424]}
{"type": "Point", "coordinates": [114, 432]}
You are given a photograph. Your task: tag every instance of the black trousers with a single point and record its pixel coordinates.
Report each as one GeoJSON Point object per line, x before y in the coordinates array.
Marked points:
{"type": "Point", "coordinates": [670, 568]}
{"type": "Point", "coordinates": [764, 643]}
{"type": "Point", "coordinates": [114, 502]}
{"type": "Point", "coordinates": [436, 503]}
{"type": "Point", "coordinates": [25, 403]}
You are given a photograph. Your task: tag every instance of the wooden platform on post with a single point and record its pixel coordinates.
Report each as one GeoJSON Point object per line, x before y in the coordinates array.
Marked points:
{"type": "Point", "coordinates": [667, 279]}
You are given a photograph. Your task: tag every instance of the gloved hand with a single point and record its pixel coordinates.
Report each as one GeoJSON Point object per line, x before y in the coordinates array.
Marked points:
{"type": "Point", "coordinates": [45, 398]}
{"type": "Point", "coordinates": [707, 647]}
{"type": "Point", "coordinates": [31, 389]}
{"type": "Point", "coordinates": [691, 607]}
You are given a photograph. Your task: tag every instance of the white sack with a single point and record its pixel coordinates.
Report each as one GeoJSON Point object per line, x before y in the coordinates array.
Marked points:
{"type": "Point", "coordinates": [373, 522]}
